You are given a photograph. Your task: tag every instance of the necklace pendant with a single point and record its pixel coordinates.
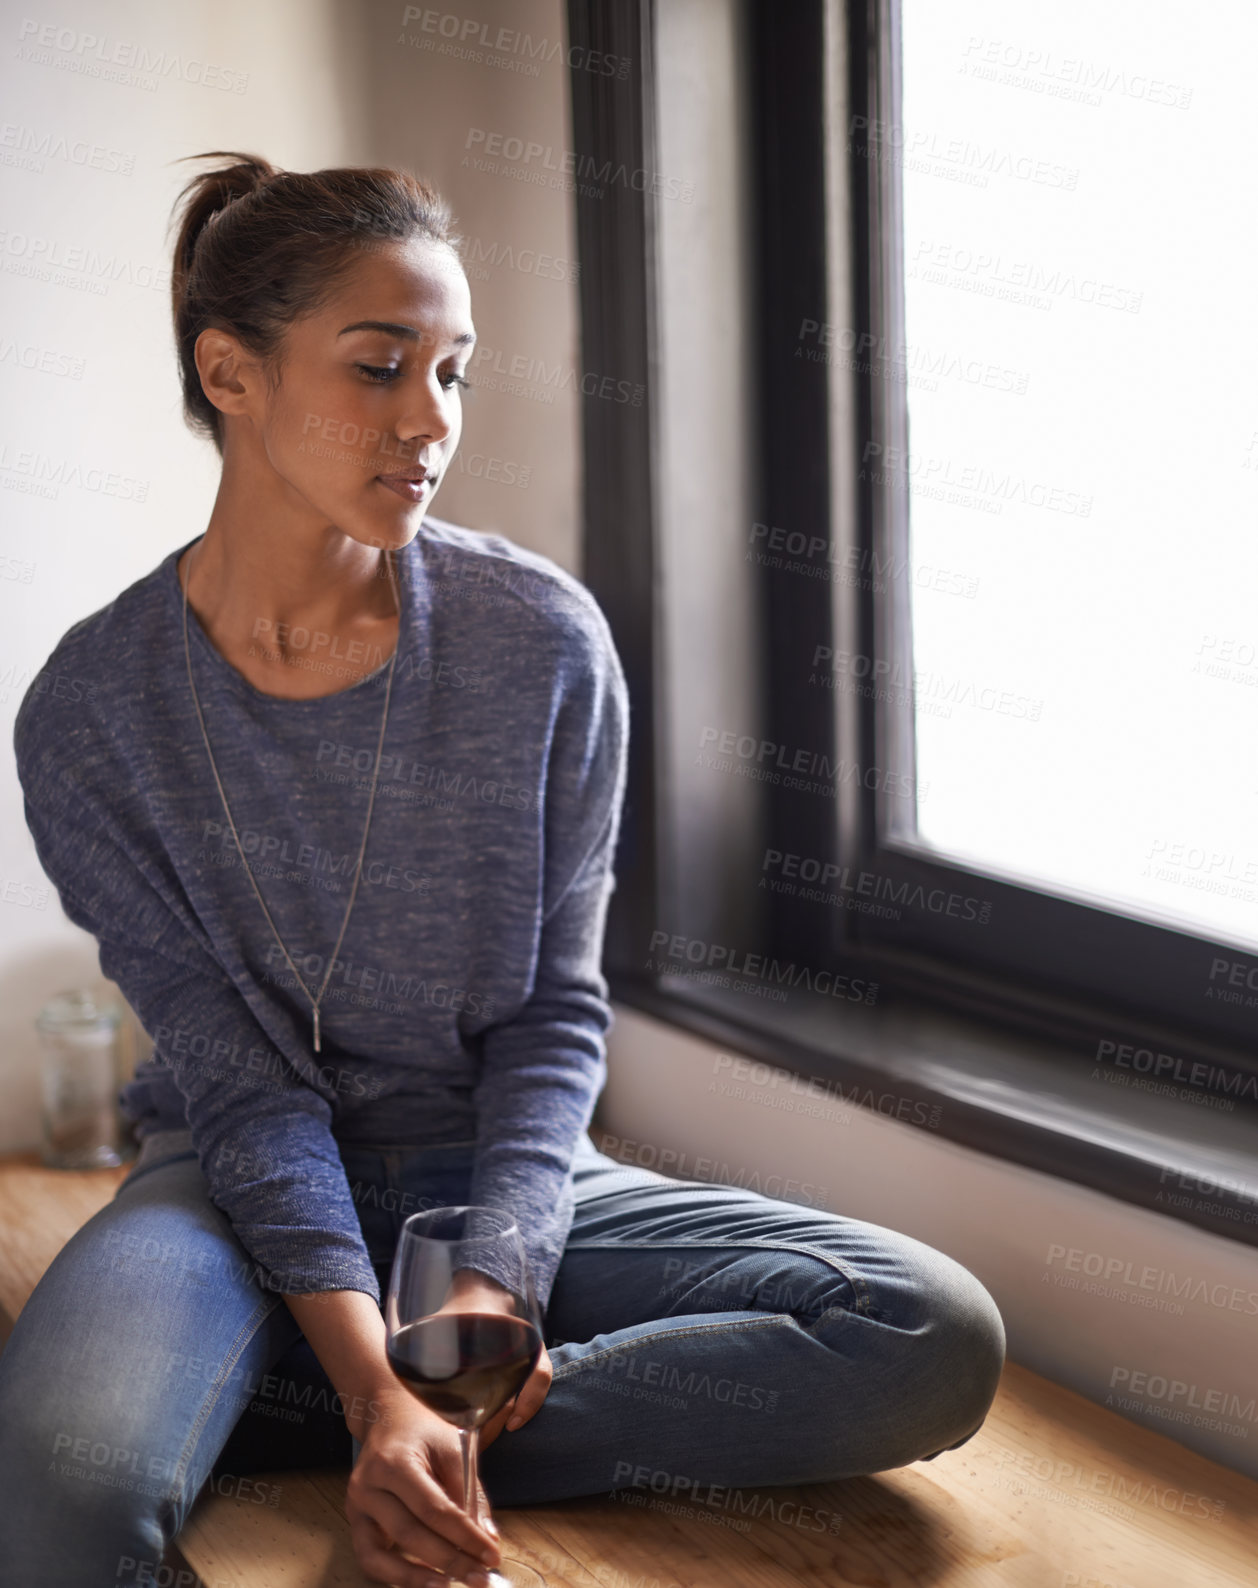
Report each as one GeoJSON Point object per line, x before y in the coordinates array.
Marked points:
{"type": "Point", "coordinates": [222, 793]}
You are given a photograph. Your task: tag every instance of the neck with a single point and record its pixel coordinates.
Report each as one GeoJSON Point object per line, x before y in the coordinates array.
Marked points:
{"type": "Point", "coordinates": [279, 589]}
{"type": "Point", "coordinates": [321, 579]}
{"type": "Point", "coordinates": [264, 577]}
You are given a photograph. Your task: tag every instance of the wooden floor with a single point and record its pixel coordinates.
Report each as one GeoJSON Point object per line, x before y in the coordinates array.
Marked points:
{"type": "Point", "coordinates": [1054, 1492]}
{"type": "Point", "coordinates": [1106, 1515]}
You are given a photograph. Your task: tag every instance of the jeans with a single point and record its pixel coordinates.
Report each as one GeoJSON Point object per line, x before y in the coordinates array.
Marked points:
{"type": "Point", "coordinates": [700, 1335]}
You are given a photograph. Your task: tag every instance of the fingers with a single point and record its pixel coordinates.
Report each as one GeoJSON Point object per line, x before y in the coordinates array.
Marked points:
{"type": "Point", "coordinates": [383, 1563]}
{"type": "Point", "coordinates": [532, 1393]}
{"type": "Point", "coordinates": [488, 1432]}
{"type": "Point", "coordinates": [412, 1506]}
{"type": "Point", "coordinates": [528, 1400]}
{"type": "Point", "coordinates": [447, 1473]}
{"type": "Point", "coordinates": [415, 1541]}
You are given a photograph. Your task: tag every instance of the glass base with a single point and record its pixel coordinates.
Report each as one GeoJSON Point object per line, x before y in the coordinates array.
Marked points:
{"type": "Point", "coordinates": [510, 1574]}
{"type": "Point", "coordinates": [515, 1574]}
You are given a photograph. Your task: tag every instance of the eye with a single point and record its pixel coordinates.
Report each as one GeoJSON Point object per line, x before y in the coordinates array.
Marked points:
{"type": "Point", "coordinates": [381, 375]}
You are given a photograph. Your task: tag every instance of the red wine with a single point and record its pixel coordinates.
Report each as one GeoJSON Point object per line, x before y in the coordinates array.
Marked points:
{"type": "Point", "coordinates": [465, 1365]}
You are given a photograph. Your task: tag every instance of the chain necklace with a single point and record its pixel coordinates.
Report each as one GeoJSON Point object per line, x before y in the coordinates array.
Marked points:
{"type": "Point", "coordinates": [314, 1001]}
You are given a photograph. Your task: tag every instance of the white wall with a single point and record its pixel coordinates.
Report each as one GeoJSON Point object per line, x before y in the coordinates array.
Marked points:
{"type": "Point", "coordinates": [323, 83]}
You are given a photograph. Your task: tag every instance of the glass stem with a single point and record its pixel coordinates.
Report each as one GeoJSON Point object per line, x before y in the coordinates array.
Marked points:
{"type": "Point", "coordinates": [466, 1435]}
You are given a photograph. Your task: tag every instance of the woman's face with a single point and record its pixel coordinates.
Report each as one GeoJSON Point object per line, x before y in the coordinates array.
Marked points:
{"type": "Point", "coordinates": [370, 387]}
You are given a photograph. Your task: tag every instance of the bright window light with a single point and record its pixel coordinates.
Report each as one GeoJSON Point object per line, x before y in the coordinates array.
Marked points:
{"type": "Point", "coordinates": [1081, 367]}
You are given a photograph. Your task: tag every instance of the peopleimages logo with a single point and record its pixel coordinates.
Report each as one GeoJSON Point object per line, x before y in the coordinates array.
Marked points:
{"type": "Point", "coordinates": [1211, 1185]}
{"type": "Point", "coordinates": [1167, 1394]}
{"type": "Point", "coordinates": [898, 466]}
{"type": "Point", "coordinates": [40, 146]}
{"type": "Point", "coordinates": [528, 157]}
{"type": "Point", "coordinates": [1168, 1067]}
{"type": "Point", "coordinates": [726, 1498]}
{"type": "Point", "coordinates": [120, 60]}
{"type": "Point", "coordinates": [1117, 1273]}
{"type": "Point", "coordinates": [856, 885]}
{"type": "Point", "coordinates": [762, 967]}
{"type": "Point", "coordinates": [1077, 1484]}
{"type": "Point", "coordinates": [26, 468]}
{"type": "Point", "coordinates": [971, 160]}
{"type": "Point", "coordinates": [360, 978]}
{"type": "Point", "coordinates": [1034, 67]}
{"type": "Point", "coordinates": [212, 1053]}
{"type": "Point", "coordinates": [471, 39]}
{"type": "Point", "coordinates": [817, 557]}
{"type": "Point", "coordinates": [752, 753]}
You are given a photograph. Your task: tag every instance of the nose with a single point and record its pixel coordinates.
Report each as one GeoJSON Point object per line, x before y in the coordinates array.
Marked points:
{"type": "Point", "coordinates": [430, 415]}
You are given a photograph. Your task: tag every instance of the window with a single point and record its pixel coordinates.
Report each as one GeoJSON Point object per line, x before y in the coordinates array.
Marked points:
{"type": "Point", "coordinates": [936, 602]}
{"type": "Point", "coordinates": [1067, 670]}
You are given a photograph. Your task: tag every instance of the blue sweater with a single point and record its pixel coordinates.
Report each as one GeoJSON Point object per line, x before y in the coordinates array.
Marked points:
{"type": "Point", "coordinates": [467, 1000]}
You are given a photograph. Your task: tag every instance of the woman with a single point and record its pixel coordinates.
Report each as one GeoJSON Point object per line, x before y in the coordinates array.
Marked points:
{"type": "Point", "coordinates": [342, 815]}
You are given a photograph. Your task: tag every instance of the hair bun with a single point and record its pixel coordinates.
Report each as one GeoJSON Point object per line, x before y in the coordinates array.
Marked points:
{"type": "Point", "coordinates": [249, 173]}
{"type": "Point", "coordinates": [211, 192]}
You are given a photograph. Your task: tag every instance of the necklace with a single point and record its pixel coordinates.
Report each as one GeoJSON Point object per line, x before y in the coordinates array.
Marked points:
{"type": "Point", "coordinates": [315, 1001]}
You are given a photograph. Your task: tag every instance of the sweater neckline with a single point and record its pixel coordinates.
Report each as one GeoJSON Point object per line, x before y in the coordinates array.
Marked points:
{"type": "Point", "coordinates": [225, 674]}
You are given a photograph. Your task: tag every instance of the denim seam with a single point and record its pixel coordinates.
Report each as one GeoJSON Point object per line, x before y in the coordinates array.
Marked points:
{"type": "Point", "coordinates": [864, 1302]}
{"type": "Point", "coordinates": [567, 1369]}
{"type": "Point", "coordinates": [259, 1316]}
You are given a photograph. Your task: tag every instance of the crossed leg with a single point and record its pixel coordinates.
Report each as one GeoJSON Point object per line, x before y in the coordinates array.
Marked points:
{"type": "Point", "coordinates": [715, 1335]}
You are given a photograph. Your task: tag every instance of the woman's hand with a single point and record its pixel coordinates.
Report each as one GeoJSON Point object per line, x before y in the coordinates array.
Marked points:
{"type": "Point", "coordinates": [526, 1402]}
{"type": "Point", "coordinates": [473, 1292]}
{"type": "Point", "coordinates": [404, 1500]}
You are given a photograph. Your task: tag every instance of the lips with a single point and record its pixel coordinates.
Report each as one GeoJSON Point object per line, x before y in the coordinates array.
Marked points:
{"type": "Point", "coordinates": [412, 484]}
{"type": "Point", "coordinates": [410, 489]}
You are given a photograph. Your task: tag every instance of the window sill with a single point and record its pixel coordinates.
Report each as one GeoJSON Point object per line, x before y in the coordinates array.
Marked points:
{"type": "Point", "coordinates": [1188, 1153]}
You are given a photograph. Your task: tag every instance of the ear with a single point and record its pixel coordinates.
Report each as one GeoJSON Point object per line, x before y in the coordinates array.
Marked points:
{"type": "Point", "coordinates": [230, 378]}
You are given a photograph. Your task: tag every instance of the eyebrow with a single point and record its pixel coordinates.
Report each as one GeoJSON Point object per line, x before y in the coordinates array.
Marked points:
{"type": "Point", "coordinates": [407, 331]}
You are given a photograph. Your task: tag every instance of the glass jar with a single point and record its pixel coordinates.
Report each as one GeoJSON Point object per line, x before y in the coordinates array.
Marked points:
{"type": "Point", "coordinates": [79, 1073]}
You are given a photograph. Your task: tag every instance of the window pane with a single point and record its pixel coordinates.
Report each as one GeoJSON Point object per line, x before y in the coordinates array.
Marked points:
{"type": "Point", "coordinates": [1078, 358]}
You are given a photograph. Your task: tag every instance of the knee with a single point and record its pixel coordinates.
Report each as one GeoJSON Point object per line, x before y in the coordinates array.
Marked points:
{"type": "Point", "coordinates": [932, 1347]}
{"type": "Point", "coordinates": [962, 1319]}
{"type": "Point", "coordinates": [933, 1317]}
{"type": "Point", "coordinates": [954, 1358]}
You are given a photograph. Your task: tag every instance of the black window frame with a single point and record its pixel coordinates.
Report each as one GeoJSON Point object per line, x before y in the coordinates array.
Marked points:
{"type": "Point", "coordinates": [1046, 964]}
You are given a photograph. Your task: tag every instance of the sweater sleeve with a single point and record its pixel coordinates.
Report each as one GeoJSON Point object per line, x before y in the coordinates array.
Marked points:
{"type": "Point", "coordinates": [262, 1132]}
{"type": "Point", "coordinates": [544, 1068]}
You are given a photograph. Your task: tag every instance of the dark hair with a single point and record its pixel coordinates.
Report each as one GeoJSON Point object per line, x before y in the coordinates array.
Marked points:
{"type": "Point", "coordinates": [259, 247]}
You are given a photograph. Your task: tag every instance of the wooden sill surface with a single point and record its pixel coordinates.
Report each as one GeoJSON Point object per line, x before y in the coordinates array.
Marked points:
{"type": "Point", "coordinates": [1053, 1492]}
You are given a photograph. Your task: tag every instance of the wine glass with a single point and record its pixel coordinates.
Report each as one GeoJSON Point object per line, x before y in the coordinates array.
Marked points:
{"type": "Point", "coordinates": [461, 1360]}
